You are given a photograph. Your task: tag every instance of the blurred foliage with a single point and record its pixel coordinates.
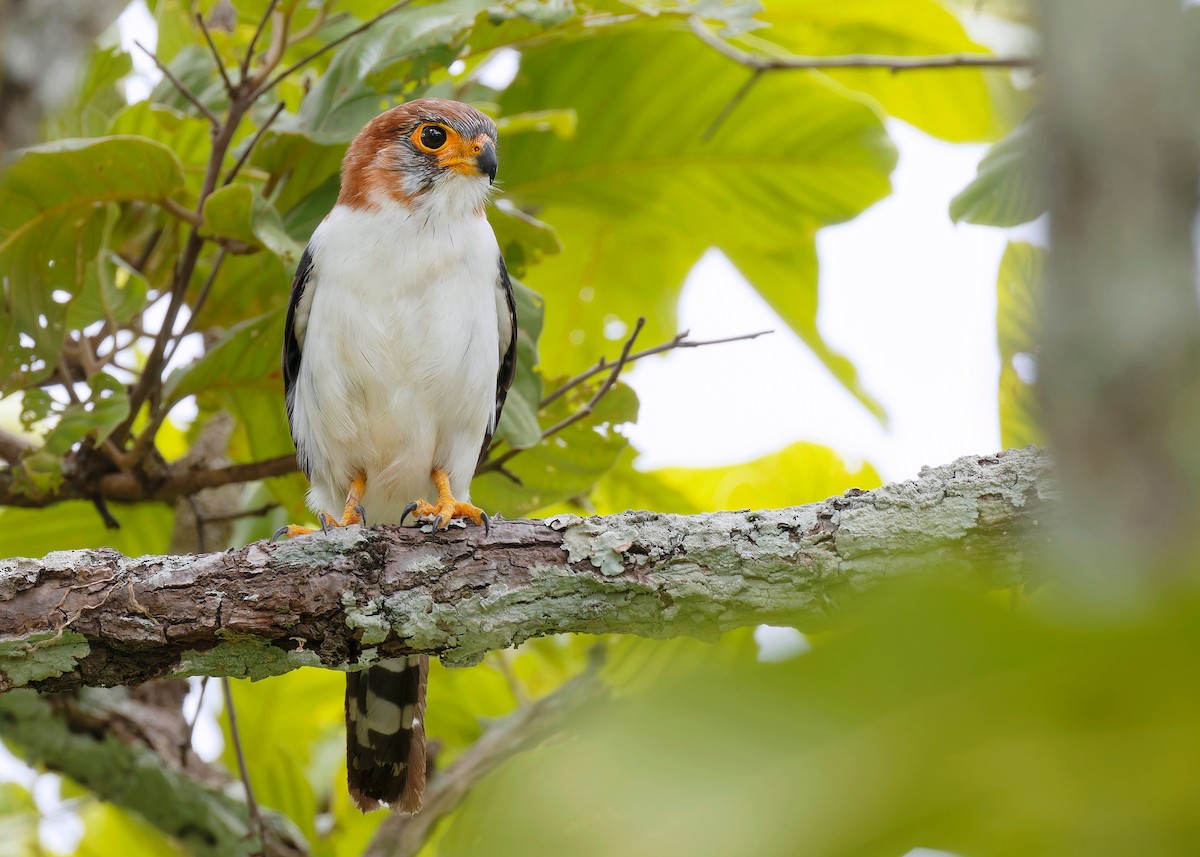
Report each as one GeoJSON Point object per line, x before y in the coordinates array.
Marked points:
{"type": "Point", "coordinates": [1017, 296]}
{"type": "Point", "coordinates": [616, 177]}
{"type": "Point", "coordinates": [1005, 191]}
{"type": "Point", "coordinates": [937, 719]}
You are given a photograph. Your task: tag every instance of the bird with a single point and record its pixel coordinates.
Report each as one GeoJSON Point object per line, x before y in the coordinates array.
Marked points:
{"type": "Point", "coordinates": [399, 349]}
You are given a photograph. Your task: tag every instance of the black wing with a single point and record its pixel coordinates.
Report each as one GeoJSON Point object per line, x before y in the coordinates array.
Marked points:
{"type": "Point", "coordinates": [292, 349]}
{"type": "Point", "coordinates": [508, 358]}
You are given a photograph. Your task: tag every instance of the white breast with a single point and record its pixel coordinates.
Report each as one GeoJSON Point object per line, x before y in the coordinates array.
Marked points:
{"type": "Point", "coordinates": [401, 354]}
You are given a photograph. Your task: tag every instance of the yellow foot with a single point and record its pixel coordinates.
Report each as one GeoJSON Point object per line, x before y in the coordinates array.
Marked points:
{"type": "Point", "coordinates": [446, 508]}
{"type": "Point", "coordinates": [354, 513]}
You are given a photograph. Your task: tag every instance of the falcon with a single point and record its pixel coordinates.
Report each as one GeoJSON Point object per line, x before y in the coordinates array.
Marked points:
{"type": "Point", "coordinates": [399, 349]}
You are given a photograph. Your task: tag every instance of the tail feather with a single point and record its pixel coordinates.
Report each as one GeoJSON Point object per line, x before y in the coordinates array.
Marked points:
{"type": "Point", "coordinates": [385, 733]}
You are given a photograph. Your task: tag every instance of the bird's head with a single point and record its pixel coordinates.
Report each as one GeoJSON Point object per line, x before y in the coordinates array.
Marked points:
{"type": "Point", "coordinates": [429, 154]}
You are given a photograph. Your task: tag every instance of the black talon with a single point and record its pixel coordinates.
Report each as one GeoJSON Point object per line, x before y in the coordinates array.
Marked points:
{"type": "Point", "coordinates": [362, 513]}
{"type": "Point", "coordinates": [279, 534]}
{"type": "Point", "coordinates": [487, 523]}
{"type": "Point", "coordinates": [321, 520]}
{"type": "Point", "coordinates": [408, 510]}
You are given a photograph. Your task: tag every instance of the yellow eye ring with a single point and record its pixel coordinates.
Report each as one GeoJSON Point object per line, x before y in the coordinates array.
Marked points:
{"type": "Point", "coordinates": [431, 138]}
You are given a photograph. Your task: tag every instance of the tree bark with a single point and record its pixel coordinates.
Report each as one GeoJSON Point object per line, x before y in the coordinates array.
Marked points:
{"type": "Point", "coordinates": [347, 598]}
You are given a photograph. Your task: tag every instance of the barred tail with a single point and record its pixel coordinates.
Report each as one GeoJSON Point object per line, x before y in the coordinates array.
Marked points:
{"type": "Point", "coordinates": [385, 733]}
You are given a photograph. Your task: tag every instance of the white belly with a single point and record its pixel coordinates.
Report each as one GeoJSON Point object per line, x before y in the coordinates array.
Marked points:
{"type": "Point", "coordinates": [401, 355]}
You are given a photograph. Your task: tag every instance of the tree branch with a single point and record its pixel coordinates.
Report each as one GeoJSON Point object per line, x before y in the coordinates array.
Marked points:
{"type": "Point", "coordinates": [125, 487]}
{"type": "Point", "coordinates": [896, 64]}
{"type": "Point", "coordinates": [12, 446]}
{"type": "Point", "coordinates": [355, 595]}
{"type": "Point", "coordinates": [127, 751]}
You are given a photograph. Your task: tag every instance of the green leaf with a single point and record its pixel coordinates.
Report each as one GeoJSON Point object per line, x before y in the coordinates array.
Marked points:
{"type": "Point", "coordinates": [1018, 291]}
{"type": "Point", "coordinates": [19, 819]}
{"type": "Point", "coordinates": [934, 719]}
{"type": "Point", "coordinates": [108, 830]}
{"type": "Point", "coordinates": [524, 240]}
{"type": "Point", "coordinates": [296, 763]}
{"type": "Point", "coordinates": [798, 474]}
{"type": "Point", "coordinates": [193, 67]}
{"type": "Point", "coordinates": [98, 97]}
{"type": "Point", "coordinates": [568, 464]}
{"type": "Point", "coordinates": [1005, 190]}
{"type": "Point", "coordinates": [372, 67]}
{"type": "Point", "coordinates": [112, 292]}
{"type": "Point", "coordinates": [952, 104]}
{"type": "Point", "coordinates": [302, 163]}
{"type": "Point", "coordinates": [145, 529]}
{"type": "Point", "coordinates": [636, 204]}
{"type": "Point", "coordinates": [247, 355]}
{"type": "Point", "coordinates": [236, 211]}
{"type": "Point", "coordinates": [103, 410]}
{"type": "Point", "coordinates": [519, 426]}
{"type": "Point", "coordinates": [51, 223]}
{"type": "Point", "coordinates": [188, 137]}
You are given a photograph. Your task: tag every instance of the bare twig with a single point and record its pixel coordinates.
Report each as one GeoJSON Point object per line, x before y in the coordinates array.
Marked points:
{"type": "Point", "coordinates": [191, 727]}
{"type": "Point", "coordinates": [178, 84]}
{"type": "Point", "coordinates": [280, 23]}
{"type": "Point", "coordinates": [571, 419]}
{"type": "Point", "coordinates": [312, 27]}
{"type": "Point", "coordinates": [896, 64]}
{"type": "Point", "coordinates": [266, 16]}
{"type": "Point", "coordinates": [604, 388]}
{"type": "Point", "coordinates": [299, 64]}
{"type": "Point", "coordinates": [215, 53]}
{"type": "Point", "coordinates": [256, 512]}
{"type": "Point", "coordinates": [680, 340]}
{"type": "Point", "coordinates": [256, 822]}
{"type": "Point", "coordinates": [245, 156]}
{"type": "Point", "coordinates": [184, 214]}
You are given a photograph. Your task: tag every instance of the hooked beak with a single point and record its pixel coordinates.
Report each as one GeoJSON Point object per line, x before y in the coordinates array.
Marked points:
{"type": "Point", "coordinates": [485, 160]}
{"type": "Point", "coordinates": [473, 157]}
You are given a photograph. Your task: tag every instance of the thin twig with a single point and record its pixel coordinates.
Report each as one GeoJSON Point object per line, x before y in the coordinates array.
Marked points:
{"type": "Point", "coordinates": [191, 727]}
{"type": "Point", "coordinates": [199, 303]}
{"type": "Point", "coordinates": [184, 214]}
{"type": "Point", "coordinates": [680, 340]}
{"type": "Point", "coordinates": [178, 84]}
{"type": "Point", "coordinates": [296, 66]}
{"type": "Point", "coordinates": [198, 520]}
{"type": "Point", "coordinates": [256, 512]}
{"type": "Point", "coordinates": [312, 27]}
{"type": "Point", "coordinates": [245, 156]}
{"type": "Point", "coordinates": [897, 64]}
{"type": "Point", "coordinates": [604, 388]}
{"type": "Point", "coordinates": [216, 54]}
{"type": "Point", "coordinates": [256, 822]}
{"type": "Point", "coordinates": [266, 16]}
{"type": "Point", "coordinates": [614, 373]}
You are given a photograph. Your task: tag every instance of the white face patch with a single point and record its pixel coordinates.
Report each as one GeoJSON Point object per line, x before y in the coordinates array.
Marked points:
{"type": "Point", "coordinates": [453, 195]}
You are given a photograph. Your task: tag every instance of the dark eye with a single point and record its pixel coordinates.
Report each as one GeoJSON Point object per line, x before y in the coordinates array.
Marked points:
{"type": "Point", "coordinates": [433, 137]}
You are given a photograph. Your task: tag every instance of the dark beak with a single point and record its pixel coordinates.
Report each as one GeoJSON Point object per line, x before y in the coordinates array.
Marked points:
{"type": "Point", "coordinates": [486, 162]}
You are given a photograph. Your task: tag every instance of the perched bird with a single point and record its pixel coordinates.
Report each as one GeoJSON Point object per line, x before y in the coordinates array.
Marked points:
{"type": "Point", "coordinates": [399, 349]}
